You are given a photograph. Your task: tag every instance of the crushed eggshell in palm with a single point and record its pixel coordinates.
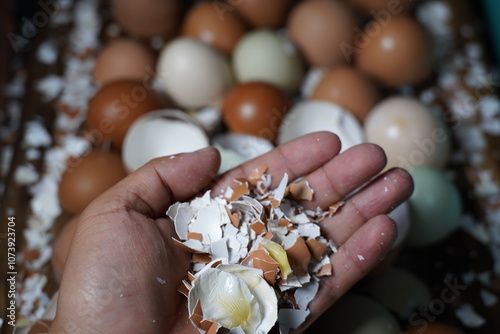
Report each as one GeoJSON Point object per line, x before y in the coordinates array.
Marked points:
{"type": "Point", "coordinates": [256, 255]}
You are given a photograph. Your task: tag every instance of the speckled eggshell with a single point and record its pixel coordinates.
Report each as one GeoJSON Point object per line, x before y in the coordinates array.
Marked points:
{"type": "Point", "coordinates": [117, 105]}
{"type": "Point", "coordinates": [320, 28]}
{"type": "Point", "coordinates": [395, 53]}
{"type": "Point", "coordinates": [409, 132]}
{"type": "Point", "coordinates": [148, 18]}
{"type": "Point", "coordinates": [312, 116]}
{"type": "Point", "coordinates": [435, 207]}
{"type": "Point", "coordinates": [261, 13]}
{"type": "Point", "coordinates": [255, 108]}
{"type": "Point", "coordinates": [124, 59]}
{"type": "Point", "coordinates": [221, 30]}
{"type": "Point", "coordinates": [265, 55]}
{"type": "Point", "coordinates": [349, 88]}
{"type": "Point", "coordinates": [192, 73]}
{"type": "Point", "coordinates": [161, 133]}
{"type": "Point", "coordinates": [88, 177]}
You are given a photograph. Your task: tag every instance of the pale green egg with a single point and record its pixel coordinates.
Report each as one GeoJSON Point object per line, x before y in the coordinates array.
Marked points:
{"type": "Point", "coordinates": [435, 207]}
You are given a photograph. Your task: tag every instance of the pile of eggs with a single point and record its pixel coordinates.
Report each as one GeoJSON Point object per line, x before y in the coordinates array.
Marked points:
{"type": "Point", "coordinates": [247, 75]}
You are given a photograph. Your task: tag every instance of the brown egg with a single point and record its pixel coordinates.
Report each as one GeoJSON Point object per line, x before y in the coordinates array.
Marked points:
{"type": "Point", "coordinates": [320, 28]}
{"type": "Point", "coordinates": [204, 22]}
{"type": "Point", "coordinates": [88, 177]}
{"type": "Point", "coordinates": [433, 328]}
{"type": "Point", "coordinates": [255, 108]}
{"type": "Point", "coordinates": [379, 8]}
{"type": "Point", "coordinates": [124, 59]}
{"type": "Point", "coordinates": [348, 88]}
{"type": "Point", "coordinates": [61, 246]}
{"type": "Point", "coordinates": [397, 53]}
{"type": "Point", "coordinates": [260, 13]}
{"type": "Point", "coordinates": [117, 105]}
{"type": "Point", "coordinates": [148, 18]}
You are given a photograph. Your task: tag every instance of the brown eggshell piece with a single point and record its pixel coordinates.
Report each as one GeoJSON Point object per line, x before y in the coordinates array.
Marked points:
{"type": "Point", "coordinates": [148, 18]}
{"type": "Point", "coordinates": [319, 28]}
{"type": "Point", "coordinates": [40, 327]}
{"type": "Point", "coordinates": [379, 8]}
{"type": "Point", "coordinates": [260, 13]}
{"type": "Point", "coordinates": [349, 88]}
{"type": "Point", "coordinates": [255, 108]}
{"type": "Point", "coordinates": [316, 248]}
{"type": "Point", "coordinates": [262, 260]}
{"type": "Point", "coordinates": [397, 53]}
{"type": "Point", "coordinates": [87, 178]}
{"type": "Point", "coordinates": [124, 59]}
{"type": "Point", "coordinates": [60, 249]}
{"type": "Point", "coordinates": [299, 257]}
{"type": "Point", "coordinates": [117, 105]}
{"type": "Point", "coordinates": [221, 31]}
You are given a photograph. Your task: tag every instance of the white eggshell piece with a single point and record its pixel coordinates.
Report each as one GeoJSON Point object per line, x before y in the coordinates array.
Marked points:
{"type": "Point", "coordinates": [161, 133]}
{"type": "Point", "coordinates": [312, 116]}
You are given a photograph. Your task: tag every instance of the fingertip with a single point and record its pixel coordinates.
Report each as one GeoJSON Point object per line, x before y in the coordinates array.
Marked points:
{"type": "Point", "coordinates": [405, 180]}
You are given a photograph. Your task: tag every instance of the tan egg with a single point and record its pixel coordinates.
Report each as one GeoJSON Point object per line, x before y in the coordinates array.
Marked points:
{"type": "Point", "coordinates": [396, 53]}
{"type": "Point", "coordinates": [348, 88]}
{"type": "Point", "coordinates": [124, 59]}
{"type": "Point", "coordinates": [259, 13]}
{"type": "Point", "coordinates": [88, 177]}
{"type": "Point", "coordinates": [382, 8]}
{"type": "Point", "coordinates": [148, 18]}
{"type": "Point", "coordinates": [60, 249]}
{"type": "Point", "coordinates": [205, 23]}
{"type": "Point", "coordinates": [117, 105]}
{"type": "Point", "coordinates": [320, 28]}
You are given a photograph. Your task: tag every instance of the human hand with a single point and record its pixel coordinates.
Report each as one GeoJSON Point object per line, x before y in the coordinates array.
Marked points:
{"type": "Point", "coordinates": [123, 270]}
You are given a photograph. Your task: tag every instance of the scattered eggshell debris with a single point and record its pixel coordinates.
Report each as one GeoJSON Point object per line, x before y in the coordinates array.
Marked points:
{"type": "Point", "coordinates": [301, 190]}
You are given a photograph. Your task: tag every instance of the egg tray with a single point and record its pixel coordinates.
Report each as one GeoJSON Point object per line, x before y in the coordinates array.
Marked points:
{"type": "Point", "coordinates": [463, 255]}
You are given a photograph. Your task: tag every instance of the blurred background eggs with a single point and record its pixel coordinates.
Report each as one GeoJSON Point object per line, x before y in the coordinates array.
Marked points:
{"type": "Point", "coordinates": [312, 116]}
{"type": "Point", "coordinates": [319, 28]}
{"type": "Point", "coordinates": [148, 18]}
{"type": "Point", "coordinates": [409, 132]}
{"type": "Point", "coordinates": [255, 108]}
{"type": "Point", "coordinates": [396, 51]}
{"type": "Point", "coordinates": [265, 55]}
{"type": "Point", "coordinates": [161, 133]}
{"type": "Point", "coordinates": [116, 105]}
{"type": "Point", "coordinates": [221, 30]}
{"type": "Point", "coordinates": [261, 13]}
{"type": "Point", "coordinates": [88, 177]}
{"type": "Point", "coordinates": [192, 73]}
{"type": "Point", "coordinates": [111, 65]}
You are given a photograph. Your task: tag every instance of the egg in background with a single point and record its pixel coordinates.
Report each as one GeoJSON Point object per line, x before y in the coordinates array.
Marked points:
{"type": "Point", "coordinates": [260, 13]}
{"type": "Point", "coordinates": [124, 59]}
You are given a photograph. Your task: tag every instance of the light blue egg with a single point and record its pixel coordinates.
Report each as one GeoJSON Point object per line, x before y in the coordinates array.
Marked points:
{"type": "Point", "coordinates": [435, 207]}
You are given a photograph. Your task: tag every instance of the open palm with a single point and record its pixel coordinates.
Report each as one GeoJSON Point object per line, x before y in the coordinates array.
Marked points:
{"type": "Point", "coordinates": [123, 270]}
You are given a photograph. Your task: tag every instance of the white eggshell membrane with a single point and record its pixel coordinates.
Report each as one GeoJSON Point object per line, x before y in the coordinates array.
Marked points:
{"type": "Point", "coordinates": [235, 296]}
{"type": "Point", "coordinates": [192, 73]}
{"type": "Point", "coordinates": [312, 116]}
{"type": "Point", "coordinates": [161, 133]}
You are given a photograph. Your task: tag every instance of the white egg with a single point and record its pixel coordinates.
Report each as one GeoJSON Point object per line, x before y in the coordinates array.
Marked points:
{"type": "Point", "coordinates": [312, 116]}
{"type": "Point", "coordinates": [161, 133]}
{"type": "Point", "coordinates": [264, 55]}
{"type": "Point", "coordinates": [192, 73]}
{"type": "Point", "coordinates": [401, 216]}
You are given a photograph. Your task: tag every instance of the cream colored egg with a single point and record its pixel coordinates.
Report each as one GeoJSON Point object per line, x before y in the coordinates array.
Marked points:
{"type": "Point", "coordinates": [409, 132]}
{"type": "Point", "coordinates": [161, 133]}
{"type": "Point", "coordinates": [265, 55]}
{"type": "Point", "coordinates": [312, 116]}
{"type": "Point", "coordinates": [192, 73]}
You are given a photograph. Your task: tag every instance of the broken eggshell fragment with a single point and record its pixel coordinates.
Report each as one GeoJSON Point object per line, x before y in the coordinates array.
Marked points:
{"type": "Point", "coordinates": [234, 296]}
